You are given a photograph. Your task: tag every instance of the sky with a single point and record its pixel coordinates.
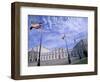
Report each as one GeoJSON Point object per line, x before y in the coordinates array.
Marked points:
{"type": "Point", "coordinates": [54, 28]}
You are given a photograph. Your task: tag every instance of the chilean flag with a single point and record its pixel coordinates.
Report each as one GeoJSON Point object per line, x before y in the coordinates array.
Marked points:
{"type": "Point", "coordinates": [36, 26]}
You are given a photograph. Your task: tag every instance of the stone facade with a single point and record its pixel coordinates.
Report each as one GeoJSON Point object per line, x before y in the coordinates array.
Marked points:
{"type": "Point", "coordinates": [58, 55]}
{"type": "Point", "coordinates": [80, 50]}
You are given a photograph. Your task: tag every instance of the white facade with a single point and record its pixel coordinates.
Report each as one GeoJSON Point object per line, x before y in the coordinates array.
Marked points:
{"type": "Point", "coordinates": [57, 53]}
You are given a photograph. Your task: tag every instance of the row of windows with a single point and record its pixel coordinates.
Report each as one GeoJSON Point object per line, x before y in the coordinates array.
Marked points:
{"type": "Point", "coordinates": [44, 58]}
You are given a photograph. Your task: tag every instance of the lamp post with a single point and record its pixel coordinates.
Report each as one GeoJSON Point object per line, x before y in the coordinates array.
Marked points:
{"type": "Point", "coordinates": [69, 60]}
{"type": "Point", "coordinates": [38, 26]}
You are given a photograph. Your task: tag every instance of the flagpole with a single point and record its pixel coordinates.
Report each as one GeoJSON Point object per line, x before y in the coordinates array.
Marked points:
{"type": "Point", "coordinates": [38, 26]}
{"type": "Point", "coordinates": [38, 63]}
{"type": "Point", "coordinates": [69, 60]}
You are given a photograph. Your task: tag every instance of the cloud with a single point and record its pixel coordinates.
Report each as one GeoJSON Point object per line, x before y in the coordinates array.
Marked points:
{"type": "Point", "coordinates": [54, 27]}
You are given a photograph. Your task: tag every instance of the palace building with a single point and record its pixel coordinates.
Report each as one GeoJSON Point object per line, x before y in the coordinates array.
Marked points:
{"type": "Point", "coordinates": [58, 56]}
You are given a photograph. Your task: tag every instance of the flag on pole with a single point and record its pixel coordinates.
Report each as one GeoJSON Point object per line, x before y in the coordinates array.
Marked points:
{"type": "Point", "coordinates": [36, 26]}
{"type": "Point", "coordinates": [63, 37]}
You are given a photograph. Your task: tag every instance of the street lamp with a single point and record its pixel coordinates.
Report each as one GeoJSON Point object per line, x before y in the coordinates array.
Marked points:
{"type": "Point", "coordinates": [64, 38]}
{"type": "Point", "coordinates": [38, 26]}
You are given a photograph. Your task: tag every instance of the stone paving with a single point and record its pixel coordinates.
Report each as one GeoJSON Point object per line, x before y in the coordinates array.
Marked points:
{"type": "Point", "coordinates": [57, 62]}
